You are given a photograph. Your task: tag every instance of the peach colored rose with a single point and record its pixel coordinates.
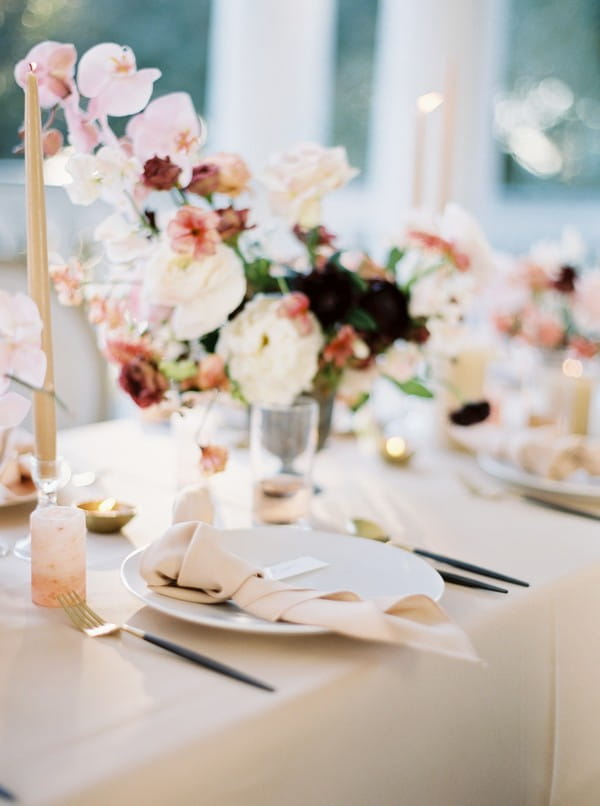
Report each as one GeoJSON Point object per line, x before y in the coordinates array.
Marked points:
{"type": "Point", "coordinates": [234, 175]}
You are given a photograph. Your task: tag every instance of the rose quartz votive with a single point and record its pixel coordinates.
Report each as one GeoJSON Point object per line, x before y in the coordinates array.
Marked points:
{"type": "Point", "coordinates": [57, 553]}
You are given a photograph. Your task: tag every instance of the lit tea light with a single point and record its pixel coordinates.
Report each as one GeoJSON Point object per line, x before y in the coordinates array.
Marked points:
{"type": "Point", "coordinates": [107, 514]}
{"type": "Point", "coordinates": [396, 450]}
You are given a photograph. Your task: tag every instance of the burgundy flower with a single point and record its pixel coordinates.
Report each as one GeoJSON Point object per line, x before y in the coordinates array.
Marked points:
{"type": "Point", "coordinates": [331, 291]}
{"type": "Point", "coordinates": [317, 236]}
{"type": "Point", "coordinates": [231, 222]}
{"type": "Point", "coordinates": [387, 305]}
{"type": "Point", "coordinates": [566, 280]}
{"type": "Point", "coordinates": [205, 179]}
{"type": "Point", "coordinates": [471, 413]}
{"type": "Point", "coordinates": [143, 381]}
{"type": "Point", "coordinates": [160, 173]}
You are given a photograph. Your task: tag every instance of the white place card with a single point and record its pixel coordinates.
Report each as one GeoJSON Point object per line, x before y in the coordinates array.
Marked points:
{"type": "Point", "coordinates": [293, 568]}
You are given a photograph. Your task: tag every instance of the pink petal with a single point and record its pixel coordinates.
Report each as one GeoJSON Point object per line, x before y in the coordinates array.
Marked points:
{"type": "Point", "coordinates": [13, 409]}
{"type": "Point", "coordinates": [128, 95]}
{"type": "Point", "coordinates": [94, 72]}
{"type": "Point", "coordinates": [29, 364]}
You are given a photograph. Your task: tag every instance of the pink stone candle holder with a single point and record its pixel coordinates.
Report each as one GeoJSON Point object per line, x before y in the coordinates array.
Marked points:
{"type": "Point", "coordinates": [57, 553]}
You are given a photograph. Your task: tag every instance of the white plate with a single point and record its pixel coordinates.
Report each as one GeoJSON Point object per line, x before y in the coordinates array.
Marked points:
{"type": "Point", "coordinates": [529, 483]}
{"type": "Point", "coordinates": [368, 568]}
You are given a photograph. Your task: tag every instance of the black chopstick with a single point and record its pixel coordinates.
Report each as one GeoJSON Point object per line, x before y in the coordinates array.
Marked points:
{"type": "Point", "coordinates": [6, 794]}
{"type": "Point", "coordinates": [475, 569]}
{"type": "Point", "coordinates": [203, 660]}
{"type": "Point", "coordinates": [468, 582]}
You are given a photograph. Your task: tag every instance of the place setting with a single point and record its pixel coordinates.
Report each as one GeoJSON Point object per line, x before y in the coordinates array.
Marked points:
{"type": "Point", "coordinates": [349, 457]}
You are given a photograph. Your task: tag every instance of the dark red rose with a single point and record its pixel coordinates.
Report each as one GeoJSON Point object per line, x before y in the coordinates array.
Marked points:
{"type": "Point", "coordinates": [418, 334]}
{"type": "Point", "coordinates": [471, 413]}
{"type": "Point", "coordinates": [331, 291]}
{"type": "Point", "coordinates": [566, 280]}
{"type": "Point", "coordinates": [387, 305]}
{"type": "Point", "coordinates": [160, 173]}
{"type": "Point", "coordinates": [231, 222]}
{"type": "Point", "coordinates": [205, 179]}
{"type": "Point", "coordinates": [143, 381]}
{"type": "Point", "coordinates": [317, 236]}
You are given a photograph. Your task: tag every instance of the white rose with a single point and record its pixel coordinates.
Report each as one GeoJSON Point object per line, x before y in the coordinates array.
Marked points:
{"type": "Point", "coordinates": [299, 178]}
{"type": "Point", "coordinates": [401, 362]}
{"type": "Point", "coordinates": [355, 384]}
{"type": "Point", "coordinates": [121, 240]}
{"type": "Point", "coordinates": [266, 354]}
{"type": "Point", "coordinates": [202, 292]}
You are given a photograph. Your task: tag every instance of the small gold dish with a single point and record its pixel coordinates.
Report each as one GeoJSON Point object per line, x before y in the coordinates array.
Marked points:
{"type": "Point", "coordinates": [106, 514]}
{"type": "Point", "coordinates": [396, 450]}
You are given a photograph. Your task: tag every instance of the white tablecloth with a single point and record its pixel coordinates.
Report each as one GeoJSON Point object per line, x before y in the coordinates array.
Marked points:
{"type": "Point", "coordinates": [118, 721]}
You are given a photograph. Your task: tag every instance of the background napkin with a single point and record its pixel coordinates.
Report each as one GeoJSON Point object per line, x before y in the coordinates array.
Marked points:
{"type": "Point", "coordinates": [188, 562]}
{"type": "Point", "coordinates": [15, 476]}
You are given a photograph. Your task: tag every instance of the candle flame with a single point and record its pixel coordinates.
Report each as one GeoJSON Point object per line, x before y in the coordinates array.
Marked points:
{"type": "Point", "coordinates": [33, 66]}
{"type": "Point", "coordinates": [107, 505]}
{"type": "Point", "coordinates": [430, 101]}
{"type": "Point", "coordinates": [572, 368]}
{"type": "Point", "coordinates": [395, 446]}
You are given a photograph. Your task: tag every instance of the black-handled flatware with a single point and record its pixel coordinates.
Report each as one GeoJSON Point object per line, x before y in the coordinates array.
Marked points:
{"type": "Point", "coordinates": [196, 657]}
{"type": "Point", "coordinates": [6, 794]}
{"type": "Point", "coordinates": [464, 566]}
{"type": "Point", "coordinates": [468, 582]}
{"type": "Point", "coordinates": [89, 622]}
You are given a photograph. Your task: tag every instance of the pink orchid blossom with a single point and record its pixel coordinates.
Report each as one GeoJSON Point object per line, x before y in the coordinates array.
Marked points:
{"type": "Point", "coordinates": [194, 232]}
{"type": "Point", "coordinates": [108, 75]}
{"type": "Point", "coordinates": [84, 133]}
{"type": "Point", "coordinates": [54, 66]}
{"type": "Point", "coordinates": [67, 278]}
{"type": "Point", "coordinates": [169, 127]}
{"type": "Point", "coordinates": [20, 354]}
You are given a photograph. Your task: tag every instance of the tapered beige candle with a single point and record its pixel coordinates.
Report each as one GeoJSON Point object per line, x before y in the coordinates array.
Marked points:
{"type": "Point", "coordinates": [425, 105]}
{"type": "Point", "coordinates": [448, 129]}
{"type": "Point", "coordinates": [44, 411]}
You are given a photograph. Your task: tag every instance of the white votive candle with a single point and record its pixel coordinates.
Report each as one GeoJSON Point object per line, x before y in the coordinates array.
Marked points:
{"type": "Point", "coordinates": [57, 553]}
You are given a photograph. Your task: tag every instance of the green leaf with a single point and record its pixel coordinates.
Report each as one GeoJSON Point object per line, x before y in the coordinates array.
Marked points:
{"type": "Point", "coordinates": [362, 320]}
{"type": "Point", "coordinates": [209, 342]}
{"type": "Point", "coordinates": [360, 402]}
{"type": "Point", "coordinates": [178, 370]}
{"type": "Point", "coordinates": [414, 387]}
{"type": "Point", "coordinates": [358, 281]}
{"type": "Point", "coordinates": [394, 256]}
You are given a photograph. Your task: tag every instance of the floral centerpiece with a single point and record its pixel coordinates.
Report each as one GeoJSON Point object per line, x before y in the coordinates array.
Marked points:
{"type": "Point", "coordinates": [549, 299]}
{"type": "Point", "coordinates": [184, 283]}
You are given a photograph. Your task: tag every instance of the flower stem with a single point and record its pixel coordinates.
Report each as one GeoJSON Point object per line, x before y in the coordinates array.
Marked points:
{"type": "Point", "coordinates": [33, 388]}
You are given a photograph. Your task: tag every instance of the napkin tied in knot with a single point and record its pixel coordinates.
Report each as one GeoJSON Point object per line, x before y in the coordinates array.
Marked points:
{"type": "Point", "coordinates": [188, 562]}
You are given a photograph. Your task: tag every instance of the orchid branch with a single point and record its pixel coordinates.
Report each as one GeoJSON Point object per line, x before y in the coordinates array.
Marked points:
{"type": "Point", "coordinates": [42, 389]}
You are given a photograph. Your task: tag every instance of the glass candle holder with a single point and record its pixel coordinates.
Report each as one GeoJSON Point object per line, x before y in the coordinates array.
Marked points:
{"type": "Point", "coordinates": [57, 553]}
{"type": "Point", "coordinates": [283, 440]}
{"type": "Point", "coordinates": [49, 476]}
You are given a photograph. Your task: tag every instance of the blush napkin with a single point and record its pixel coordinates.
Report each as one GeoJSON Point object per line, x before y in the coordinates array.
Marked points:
{"type": "Point", "coordinates": [189, 563]}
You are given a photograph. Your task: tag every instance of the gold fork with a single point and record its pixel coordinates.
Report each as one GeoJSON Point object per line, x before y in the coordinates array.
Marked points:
{"type": "Point", "coordinates": [89, 622]}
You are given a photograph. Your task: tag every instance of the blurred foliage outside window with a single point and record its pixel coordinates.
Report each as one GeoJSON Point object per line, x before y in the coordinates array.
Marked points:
{"type": "Point", "coordinates": [548, 118]}
{"type": "Point", "coordinates": [354, 77]}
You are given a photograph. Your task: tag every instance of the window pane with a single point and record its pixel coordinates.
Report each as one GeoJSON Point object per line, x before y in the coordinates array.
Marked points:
{"type": "Point", "coordinates": [354, 65]}
{"type": "Point", "coordinates": [172, 37]}
{"type": "Point", "coordinates": [548, 119]}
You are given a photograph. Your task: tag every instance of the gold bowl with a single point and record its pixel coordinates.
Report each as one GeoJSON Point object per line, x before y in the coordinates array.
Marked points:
{"type": "Point", "coordinates": [106, 514]}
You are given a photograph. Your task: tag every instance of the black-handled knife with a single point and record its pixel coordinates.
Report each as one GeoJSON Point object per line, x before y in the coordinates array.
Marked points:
{"type": "Point", "coordinates": [468, 582]}
{"type": "Point", "coordinates": [475, 569]}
